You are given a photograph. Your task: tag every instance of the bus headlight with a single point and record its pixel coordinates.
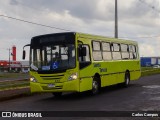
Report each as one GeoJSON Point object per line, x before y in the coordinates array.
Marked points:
{"type": "Point", "coordinates": [73, 76]}
{"type": "Point", "coordinates": [32, 79]}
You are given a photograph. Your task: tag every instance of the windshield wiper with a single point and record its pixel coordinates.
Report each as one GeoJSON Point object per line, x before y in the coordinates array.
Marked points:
{"type": "Point", "coordinates": [34, 67]}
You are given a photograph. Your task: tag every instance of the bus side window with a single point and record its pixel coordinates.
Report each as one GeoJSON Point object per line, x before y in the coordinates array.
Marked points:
{"type": "Point", "coordinates": [116, 51]}
{"type": "Point", "coordinates": [96, 47]}
{"type": "Point", "coordinates": [124, 51]}
{"type": "Point", "coordinates": [106, 51]}
{"type": "Point", "coordinates": [132, 52]}
{"type": "Point", "coordinates": [111, 47]}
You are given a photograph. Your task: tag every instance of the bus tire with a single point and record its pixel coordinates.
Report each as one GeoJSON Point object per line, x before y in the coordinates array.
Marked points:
{"type": "Point", "coordinates": [126, 80]}
{"type": "Point", "coordinates": [95, 86]}
{"type": "Point", "coordinates": [57, 94]}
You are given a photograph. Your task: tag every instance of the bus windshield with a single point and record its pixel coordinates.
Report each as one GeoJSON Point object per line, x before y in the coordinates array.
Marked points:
{"type": "Point", "coordinates": [53, 57]}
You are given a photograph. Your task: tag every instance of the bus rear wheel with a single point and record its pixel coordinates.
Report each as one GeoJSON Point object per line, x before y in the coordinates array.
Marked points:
{"type": "Point", "coordinates": [57, 94]}
{"type": "Point", "coordinates": [127, 79]}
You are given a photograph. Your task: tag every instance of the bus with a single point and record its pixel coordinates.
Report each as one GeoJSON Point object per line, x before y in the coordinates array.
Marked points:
{"type": "Point", "coordinates": [78, 62]}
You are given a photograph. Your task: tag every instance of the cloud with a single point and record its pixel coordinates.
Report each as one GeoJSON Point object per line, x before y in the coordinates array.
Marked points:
{"type": "Point", "coordinates": [13, 2]}
{"type": "Point", "coordinates": [149, 48]}
{"type": "Point", "coordinates": [136, 19]}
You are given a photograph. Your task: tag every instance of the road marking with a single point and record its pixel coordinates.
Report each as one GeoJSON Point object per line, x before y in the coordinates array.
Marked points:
{"type": "Point", "coordinates": [152, 86]}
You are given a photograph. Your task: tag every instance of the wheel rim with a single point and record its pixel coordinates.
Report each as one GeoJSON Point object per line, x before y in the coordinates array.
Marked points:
{"type": "Point", "coordinates": [95, 87]}
{"type": "Point", "coordinates": [127, 80]}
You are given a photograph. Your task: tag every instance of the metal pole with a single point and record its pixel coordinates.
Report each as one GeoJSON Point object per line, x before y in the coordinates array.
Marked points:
{"type": "Point", "coordinates": [9, 61]}
{"type": "Point", "coordinates": [116, 20]}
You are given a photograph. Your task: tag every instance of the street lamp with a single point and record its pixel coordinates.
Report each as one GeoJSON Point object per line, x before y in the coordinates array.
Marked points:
{"type": "Point", "coordinates": [116, 20]}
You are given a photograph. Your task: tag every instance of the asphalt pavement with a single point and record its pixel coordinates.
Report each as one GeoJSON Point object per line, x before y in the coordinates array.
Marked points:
{"type": "Point", "coordinates": [141, 95]}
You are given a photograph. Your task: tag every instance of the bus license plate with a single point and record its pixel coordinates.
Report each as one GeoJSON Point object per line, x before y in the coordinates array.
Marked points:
{"type": "Point", "coordinates": [51, 85]}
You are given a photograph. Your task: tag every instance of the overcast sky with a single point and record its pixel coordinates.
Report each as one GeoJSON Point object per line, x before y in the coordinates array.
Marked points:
{"type": "Point", "coordinates": [139, 20]}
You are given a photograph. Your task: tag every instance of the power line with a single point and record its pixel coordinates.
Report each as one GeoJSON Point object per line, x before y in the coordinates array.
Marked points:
{"type": "Point", "coordinates": [34, 23]}
{"type": "Point", "coordinates": [156, 36]}
{"type": "Point", "coordinates": [52, 27]}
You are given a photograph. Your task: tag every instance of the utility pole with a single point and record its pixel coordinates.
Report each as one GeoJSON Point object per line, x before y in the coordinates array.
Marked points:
{"type": "Point", "coordinates": [9, 60]}
{"type": "Point", "coordinates": [116, 20]}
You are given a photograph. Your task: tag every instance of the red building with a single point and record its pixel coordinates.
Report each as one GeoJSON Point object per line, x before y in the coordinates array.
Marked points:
{"type": "Point", "coordinates": [14, 53]}
{"type": "Point", "coordinates": [13, 65]}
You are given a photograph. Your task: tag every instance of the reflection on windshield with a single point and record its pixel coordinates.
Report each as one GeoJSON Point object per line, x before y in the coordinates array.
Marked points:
{"type": "Point", "coordinates": [55, 57]}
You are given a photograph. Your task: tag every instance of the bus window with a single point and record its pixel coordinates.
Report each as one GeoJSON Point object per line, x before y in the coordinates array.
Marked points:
{"type": "Point", "coordinates": [116, 51]}
{"type": "Point", "coordinates": [106, 46]}
{"type": "Point", "coordinates": [96, 45]}
{"type": "Point", "coordinates": [96, 51]}
{"type": "Point", "coordinates": [36, 57]}
{"type": "Point", "coordinates": [124, 51]}
{"type": "Point", "coordinates": [132, 52]}
{"type": "Point", "coordinates": [106, 53]}
{"type": "Point", "coordinates": [116, 47]}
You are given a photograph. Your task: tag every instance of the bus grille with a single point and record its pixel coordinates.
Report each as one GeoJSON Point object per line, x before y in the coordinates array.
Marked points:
{"type": "Point", "coordinates": [53, 77]}
{"type": "Point", "coordinates": [56, 87]}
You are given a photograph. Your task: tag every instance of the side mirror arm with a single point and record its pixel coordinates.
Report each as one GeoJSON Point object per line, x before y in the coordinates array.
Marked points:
{"type": "Point", "coordinates": [24, 52]}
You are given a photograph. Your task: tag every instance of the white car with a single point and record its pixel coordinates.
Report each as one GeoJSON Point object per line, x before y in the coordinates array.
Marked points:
{"type": "Point", "coordinates": [156, 66]}
{"type": "Point", "coordinates": [25, 71]}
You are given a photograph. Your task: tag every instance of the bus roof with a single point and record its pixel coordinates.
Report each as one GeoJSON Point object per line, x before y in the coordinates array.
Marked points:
{"type": "Point", "coordinates": [91, 36]}
{"type": "Point", "coordinates": [99, 37]}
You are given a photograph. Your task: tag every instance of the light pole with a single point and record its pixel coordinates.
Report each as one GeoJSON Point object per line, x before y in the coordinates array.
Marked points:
{"type": "Point", "coordinates": [116, 20]}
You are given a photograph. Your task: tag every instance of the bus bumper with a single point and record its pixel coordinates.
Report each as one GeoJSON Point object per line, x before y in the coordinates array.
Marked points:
{"type": "Point", "coordinates": [69, 86]}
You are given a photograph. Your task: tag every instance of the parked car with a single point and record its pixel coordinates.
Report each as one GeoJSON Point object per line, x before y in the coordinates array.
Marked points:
{"type": "Point", "coordinates": [156, 66]}
{"type": "Point", "coordinates": [25, 71]}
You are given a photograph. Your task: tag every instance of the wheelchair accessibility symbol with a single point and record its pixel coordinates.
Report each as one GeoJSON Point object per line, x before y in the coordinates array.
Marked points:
{"type": "Point", "coordinates": [55, 65]}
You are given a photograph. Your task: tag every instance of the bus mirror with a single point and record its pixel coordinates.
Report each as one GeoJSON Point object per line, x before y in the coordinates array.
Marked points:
{"type": "Point", "coordinates": [84, 51]}
{"type": "Point", "coordinates": [24, 54]}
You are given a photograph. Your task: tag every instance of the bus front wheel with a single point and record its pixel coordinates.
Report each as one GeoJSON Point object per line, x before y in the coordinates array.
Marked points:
{"type": "Point", "coordinates": [95, 86]}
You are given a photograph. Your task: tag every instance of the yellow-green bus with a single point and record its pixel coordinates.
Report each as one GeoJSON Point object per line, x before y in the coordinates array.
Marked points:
{"type": "Point", "coordinates": [77, 62]}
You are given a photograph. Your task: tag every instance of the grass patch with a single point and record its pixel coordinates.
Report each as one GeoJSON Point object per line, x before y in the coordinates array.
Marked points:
{"type": "Point", "coordinates": [13, 75]}
{"type": "Point", "coordinates": [13, 84]}
{"type": "Point", "coordinates": [146, 71]}
{"type": "Point", "coordinates": [147, 68]}
{"type": "Point", "coordinates": [13, 80]}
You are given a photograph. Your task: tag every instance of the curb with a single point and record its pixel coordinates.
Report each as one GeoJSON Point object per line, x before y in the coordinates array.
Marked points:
{"type": "Point", "coordinates": [13, 93]}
